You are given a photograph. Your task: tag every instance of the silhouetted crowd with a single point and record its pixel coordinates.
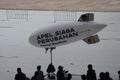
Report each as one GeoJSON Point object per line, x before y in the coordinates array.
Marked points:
{"type": "Point", "coordinates": [91, 75]}
{"type": "Point", "coordinates": [62, 74]}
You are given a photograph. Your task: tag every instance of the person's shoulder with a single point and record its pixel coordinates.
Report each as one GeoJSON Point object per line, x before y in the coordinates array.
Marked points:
{"type": "Point", "coordinates": [58, 71]}
{"type": "Point", "coordinates": [111, 79]}
{"type": "Point", "coordinates": [16, 75]}
{"type": "Point", "coordinates": [33, 78]}
{"type": "Point", "coordinates": [36, 71]}
{"type": "Point", "coordinates": [23, 74]}
{"type": "Point", "coordinates": [41, 71]}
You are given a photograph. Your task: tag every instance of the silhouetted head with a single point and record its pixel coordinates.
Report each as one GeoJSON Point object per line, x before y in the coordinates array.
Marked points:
{"type": "Point", "coordinates": [102, 75]}
{"type": "Point", "coordinates": [119, 72]}
{"type": "Point", "coordinates": [39, 67]}
{"type": "Point", "coordinates": [90, 66]}
{"type": "Point", "coordinates": [19, 70]}
{"type": "Point", "coordinates": [83, 77]}
{"type": "Point", "coordinates": [60, 68]}
{"type": "Point", "coordinates": [69, 76]}
{"type": "Point", "coordinates": [107, 74]}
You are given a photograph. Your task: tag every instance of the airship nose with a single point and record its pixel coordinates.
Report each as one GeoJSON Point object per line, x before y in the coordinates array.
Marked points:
{"type": "Point", "coordinates": [31, 39]}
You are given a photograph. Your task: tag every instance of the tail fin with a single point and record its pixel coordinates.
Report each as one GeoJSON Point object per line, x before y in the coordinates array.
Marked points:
{"type": "Point", "coordinates": [86, 17]}
{"type": "Point", "coordinates": [92, 39]}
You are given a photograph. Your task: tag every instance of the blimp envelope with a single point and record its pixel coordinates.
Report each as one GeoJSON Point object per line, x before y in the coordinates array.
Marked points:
{"type": "Point", "coordinates": [65, 33]}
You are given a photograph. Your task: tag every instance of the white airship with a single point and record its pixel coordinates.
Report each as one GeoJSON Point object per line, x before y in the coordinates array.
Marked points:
{"type": "Point", "coordinates": [64, 33]}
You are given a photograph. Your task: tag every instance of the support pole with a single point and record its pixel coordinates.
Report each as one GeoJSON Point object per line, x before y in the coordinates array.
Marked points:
{"type": "Point", "coordinates": [51, 56]}
{"type": "Point", "coordinates": [51, 49]}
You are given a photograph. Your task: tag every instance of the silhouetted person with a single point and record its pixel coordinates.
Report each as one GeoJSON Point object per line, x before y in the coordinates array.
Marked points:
{"type": "Point", "coordinates": [83, 77]}
{"type": "Point", "coordinates": [107, 76]}
{"type": "Point", "coordinates": [91, 75]}
{"type": "Point", "coordinates": [102, 76]}
{"type": "Point", "coordinates": [50, 71]}
{"type": "Point", "coordinates": [69, 76]}
{"type": "Point", "coordinates": [35, 76]}
{"type": "Point", "coordinates": [50, 68]}
{"type": "Point", "coordinates": [20, 75]}
{"type": "Point", "coordinates": [60, 73]}
{"type": "Point", "coordinates": [119, 74]}
{"type": "Point", "coordinates": [39, 73]}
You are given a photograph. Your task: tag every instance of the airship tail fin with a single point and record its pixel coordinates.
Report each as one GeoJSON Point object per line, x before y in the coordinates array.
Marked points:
{"type": "Point", "coordinates": [86, 17]}
{"type": "Point", "coordinates": [92, 39]}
